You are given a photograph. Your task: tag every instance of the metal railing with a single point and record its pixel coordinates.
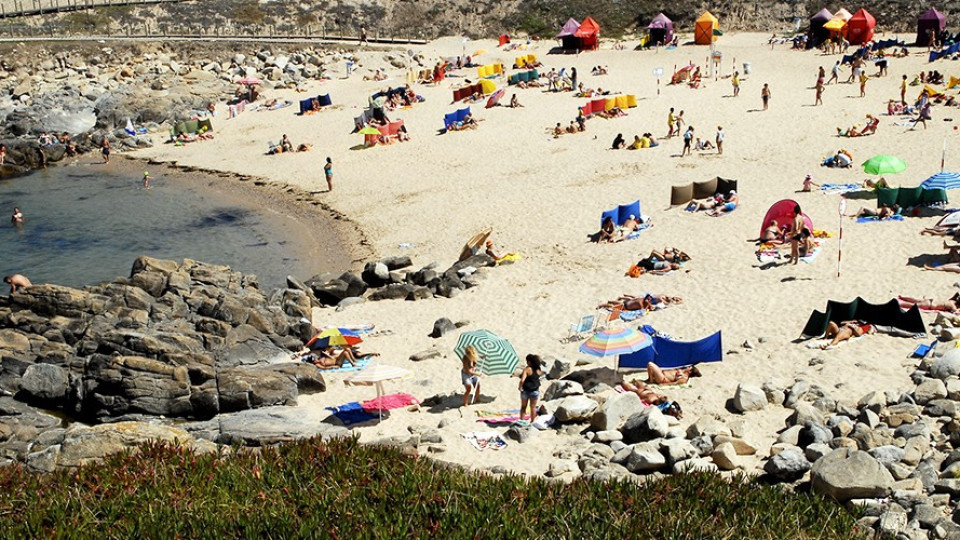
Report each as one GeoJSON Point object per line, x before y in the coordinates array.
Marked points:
{"type": "Point", "coordinates": [23, 8]}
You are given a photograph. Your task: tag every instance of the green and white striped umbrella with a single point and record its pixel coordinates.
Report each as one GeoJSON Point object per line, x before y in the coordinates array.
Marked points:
{"type": "Point", "coordinates": [497, 356]}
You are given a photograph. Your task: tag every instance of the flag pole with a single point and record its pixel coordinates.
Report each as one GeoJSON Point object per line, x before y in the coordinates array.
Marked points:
{"type": "Point", "coordinates": [943, 156]}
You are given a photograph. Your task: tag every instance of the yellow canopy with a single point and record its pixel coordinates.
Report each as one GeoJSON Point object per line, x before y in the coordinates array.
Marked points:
{"type": "Point", "coordinates": [835, 24]}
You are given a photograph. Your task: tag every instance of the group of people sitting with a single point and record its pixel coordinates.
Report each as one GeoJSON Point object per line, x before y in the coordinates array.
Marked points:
{"type": "Point", "coordinates": [610, 232]}
{"type": "Point", "coordinates": [647, 140]}
{"type": "Point", "coordinates": [331, 357]}
{"type": "Point", "coordinates": [285, 145]}
{"type": "Point", "coordinates": [931, 77]}
{"type": "Point", "coordinates": [576, 126]}
{"type": "Point", "coordinates": [590, 92]}
{"type": "Point", "coordinates": [717, 205]}
{"type": "Point", "coordinates": [897, 108]}
{"type": "Point", "coordinates": [599, 70]}
{"type": "Point", "coordinates": [869, 129]}
{"type": "Point", "coordinates": [647, 302]}
{"type": "Point", "coordinates": [377, 76]}
{"type": "Point", "coordinates": [842, 159]}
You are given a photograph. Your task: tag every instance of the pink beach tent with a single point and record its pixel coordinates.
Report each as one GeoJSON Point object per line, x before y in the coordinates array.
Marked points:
{"type": "Point", "coordinates": [782, 211]}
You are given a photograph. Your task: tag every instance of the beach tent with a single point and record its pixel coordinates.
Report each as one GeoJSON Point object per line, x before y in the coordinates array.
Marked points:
{"type": "Point", "coordinates": [782, 211]}
{"type": "Point", "coordinates": [193, 126]}
{"type": "Point", "coordinates": [911, 197]}
{"type": "Point", "coordinates": [670, 354]}
{"type": "Point", "coordinates": [888, 315]}
{"type": "Point", "coordinates": [503, 40]}
{"type": "Point", "coordinates": [661, 30]}
{"type": "Point", "coordinates": [588, 34]}
{"type": "Point", "coordinates": [567, 35]}
{"type": "Point", "coordinates": [622, 212]}
{"type": "Point", "coordinates": [835, 26]}
{"type": "Point", "coordinates": [860, 27]}
{"type": "Point", "coordinates": [703, 29]}
{"type": "Point", "coordinates": [818, 34]}
{"type": "Point", "coordinates": [931, 20]}
{"type": "Point", "coordinates": [685, 193]}
{"type": "Point", "coordinates": [843, 15]}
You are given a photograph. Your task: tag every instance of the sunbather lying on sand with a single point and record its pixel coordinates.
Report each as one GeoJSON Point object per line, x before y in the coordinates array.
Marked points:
{"type": "Point", "coordinates": [942, 230]}
{"type": "Point", "coordinates": [951, 304]}
{"type": "Point", "coordinates": [883, 212]}
{"type": "Point", "coordinates": [656, 266]}
{"type": "Point", "coordinates": [844, 331]}
{"type": "Point", "coordinates": [645, 302]}
{"type": "Point", "coordinates": [704, 204]}
{"type": "Point", "coordinates": [671, 254]}
{"type": "Point", "coordinates": [668, 377]}
{"type": "Point", "coordinates": [649, 396]}
{"type": "Point", "coordinates": [729, 205]}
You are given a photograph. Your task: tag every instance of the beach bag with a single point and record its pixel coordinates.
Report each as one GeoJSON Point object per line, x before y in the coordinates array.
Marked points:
{"type": "Point", "coordinates": [635, 271]}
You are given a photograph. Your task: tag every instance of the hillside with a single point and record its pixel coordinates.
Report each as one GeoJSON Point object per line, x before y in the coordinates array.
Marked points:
{"type": "Point", "coordinates": [429, 19]}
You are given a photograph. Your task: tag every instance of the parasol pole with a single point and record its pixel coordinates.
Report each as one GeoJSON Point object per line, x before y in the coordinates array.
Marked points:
{"type": "Point", "coordinates": [841, 210]}
{"type": "Point", "coordinates": [943, 156]}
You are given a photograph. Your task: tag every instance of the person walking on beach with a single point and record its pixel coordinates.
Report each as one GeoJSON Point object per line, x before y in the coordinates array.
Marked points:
{"type": "Point", "coordinates": [924, 115]}
{"type": "Point", "coordinates": [835, 73]}
{"type": "Point", "coordinates": [863, 83]}
{"type": "Point", "coordinates": [105, 150]}
{"type": "Point", "coordinates": [720, 135]}
{"type": "Point", "coordinates": [680, 122]}
{"type": "Point", "coordinates": [765, 95]}
{"type": "Point", "coordinates": [469, 375]}
{"type": "Point", "coordinates": [328, 172]}
{"type": "Point", "coordinates": [903, 96]}
{"type": "Point", "coordinates": [687, 141]}
{"type": "Point", "coordinates": [671, 120]}
{"type": "Point", "coordinates": [530, 386]}
{"type": "Point", "coordinates": [17, 280]}
{"type": "Point", "coordinates": [735, 80]}
{"type": "Point", "coordinates": [821, 75]}
{"type": "Point", "coordinates": [819, 100]}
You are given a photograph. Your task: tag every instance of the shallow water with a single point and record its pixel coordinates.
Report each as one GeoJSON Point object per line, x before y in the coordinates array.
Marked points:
{"type": "Point", "coordinates": [86, 223]}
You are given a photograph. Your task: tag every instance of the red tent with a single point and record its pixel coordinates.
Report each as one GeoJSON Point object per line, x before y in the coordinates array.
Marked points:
{"type": "Point", "coordinates": [589, 34]}
{"type": "Point", "coordinates": [782, 211]}
{"type": "Point", "coordinates": [860, 27]}
{"type": "Point", "coordinates": [504, 39]}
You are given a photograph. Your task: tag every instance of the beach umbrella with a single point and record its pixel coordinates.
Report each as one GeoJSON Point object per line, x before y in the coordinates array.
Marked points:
{"type": "Point", "coordinates": [472, 247]}
{"type": "Point", "coordinates": [497, 355]}
{"type": "Point", "coordinates": [616, 341]}
{"type": "Point", "coordinates": [942, 180]}
{"type": "Point", "coordinates": [495, 98]}
{"type": "Point", "coordinates": [884, 165]}
{"type": "Point", "coordinates": [376, 375]}
{"type": "Point", "coordinates": [334, 337]}
{"type": "Point", "coordinates": [369, 130]}
{"type": "Point", "coordinates": [249, 81]}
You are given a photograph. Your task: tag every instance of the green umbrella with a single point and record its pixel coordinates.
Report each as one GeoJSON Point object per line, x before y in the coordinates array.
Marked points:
{"type": "Point", "coordinates": [884, 165]}
{"type": "Point", "coordinates": [497, 356]}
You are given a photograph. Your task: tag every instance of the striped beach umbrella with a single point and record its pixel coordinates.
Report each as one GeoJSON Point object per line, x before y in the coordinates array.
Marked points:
{"type": "Point", "coordinates": [333, 337]}
{"type": "Point", "coordinates": [616, 341]}
{"type": "Point", "coordinates": [497, 355]}
{"type": "Point", "coordinates": [942, 180]}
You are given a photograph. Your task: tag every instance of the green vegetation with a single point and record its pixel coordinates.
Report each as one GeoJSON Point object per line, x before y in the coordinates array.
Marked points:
{"type": "Point", "coordinates": [345, 490]}
{"type": "Point", "coordinates": [248, 12]}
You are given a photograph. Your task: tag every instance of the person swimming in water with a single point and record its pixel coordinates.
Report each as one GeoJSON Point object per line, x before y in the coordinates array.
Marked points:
{"type": "Point", "coordinates": [17, 216]}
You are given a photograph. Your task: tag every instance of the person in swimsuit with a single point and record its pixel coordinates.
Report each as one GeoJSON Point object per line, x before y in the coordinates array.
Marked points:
{"type": "Point", "coordinates": [608, 231]}
{"type": "Point", "coordinates": [530, 386]}
{"type": "Point", "coordinates": [795, 234]}
{"type": "Point", "coordinates": [951, 304]}
{"type": "Point", "coordinates": [646, 302]}
{"type": "Point", "coordinates": [644, 392]}
{"type": "Point", "coordinates": [331, 357]}
{"type": "Point", "coordinates": [844, 331]}
{"type": "Point", "coordinates": [105, 150]}
{"type": "Point", "coordinates": [668, 377]}
{"type": "Point", "coordinates": [17, 217]}
{"type": "Point", "coordinates": [469, 375]}
{"type": "Point", "coordinates": [328, 172]}
{"type": "Point", "coordinates": [883, 212]}
{"type": "Point", "coordinates": [730, 204]}
{"type": "Point", "coordinates": [16, 280]}
{"type": "Point", "coordinates": [765, 95]}
{"type": "Point", "coordinates": [702, 204]}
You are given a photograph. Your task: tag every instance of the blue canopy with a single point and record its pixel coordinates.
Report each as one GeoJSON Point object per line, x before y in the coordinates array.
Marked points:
{"type": "Point", "coordinates": [669, 354]}
{"type": "Point", "coordinates": [942, 180]}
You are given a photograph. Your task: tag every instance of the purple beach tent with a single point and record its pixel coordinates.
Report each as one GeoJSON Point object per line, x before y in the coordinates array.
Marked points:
{"type": "Point", "coordinates": [661, 30]}
{"type": "Point", "coordinates": [932, 20]}
{"type": "Point", "coordinates": [817, 34]}
{"type": "Point", "coordinates": [567, 35]}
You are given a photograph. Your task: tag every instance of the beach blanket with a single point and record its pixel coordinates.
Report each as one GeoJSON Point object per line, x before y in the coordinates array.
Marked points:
{"type": "Point", "coordinates": [352, 413]}
{"type": "Point", "coordinates": [509, 258]}
{"type": "Point", "coordinates": [812, 256]}
{"type": "Point", "coordinates": [499, 417]}
{"type": "Point", "coordinates": [824, 344]}
{"type": "Point", "coordinates": [870, 219]}
{"type": "Point", "coordinates": [389, 401]}
{"type": "Point", "coordinates": [840, 189]}
{"type": "Point", "coordinates": [364, 328]}
{"type": "Point", "coordinates": [483, 440]}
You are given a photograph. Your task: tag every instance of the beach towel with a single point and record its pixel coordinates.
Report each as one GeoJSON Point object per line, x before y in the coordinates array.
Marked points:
{"type": "Point", "coordinates": [483, 440]}
{"type": "Point", "coordinates": [812, 256]}
{"type": "Point", "coordinates": [871, 219]}
{"type": "Point", "coordinates": [360, 364]}
{"type": "Point", "coordinates": [502, 417]}
{"type": "Point", "coordinates": [352, 413]}
{"type": "Point", "coordinates": [389, 401]}
{"type": "Point", "coordinates": [840, 189]}
{"type": "Point", "coordinates": [509, 258]}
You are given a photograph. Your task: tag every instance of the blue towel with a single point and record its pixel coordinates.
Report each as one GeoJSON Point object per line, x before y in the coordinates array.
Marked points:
{"type": "Point", "coordinates": [631, 315]}
{"type": "Point", "coordinates": [352, 413]}
{"type": "Point", "coordinates": [868, 219]}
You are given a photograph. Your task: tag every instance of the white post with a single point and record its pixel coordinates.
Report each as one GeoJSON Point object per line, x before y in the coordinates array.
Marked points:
{"type": "Point", "coordinates": [841, 210]}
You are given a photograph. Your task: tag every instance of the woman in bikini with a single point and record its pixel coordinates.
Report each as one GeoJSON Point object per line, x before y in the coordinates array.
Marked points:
{"type": "Point", "coordinates": [329, 358]}
{"type": "Point", "coordinates": [951, 305]}
{"type": "Point", "coordinates": [844, 331]}
{"type": "Point", "coordinates": [669, 377]}
{"type": "Point", "coordinates": [646, 302]}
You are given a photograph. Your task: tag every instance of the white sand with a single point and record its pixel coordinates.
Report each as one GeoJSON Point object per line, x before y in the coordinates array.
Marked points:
{"type": "Point", "coordinates": [544, 196]}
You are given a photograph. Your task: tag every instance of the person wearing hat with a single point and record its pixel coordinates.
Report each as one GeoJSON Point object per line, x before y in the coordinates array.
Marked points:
{"type": "Point", "coordinates": [146, 180]}
{"type": "Point", "coordinates": [808, 183]}
{"type": "Point", "coordinates": [492, 252]}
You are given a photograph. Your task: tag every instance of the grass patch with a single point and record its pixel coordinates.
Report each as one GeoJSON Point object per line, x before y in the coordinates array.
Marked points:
{"type": "Point", "coordinates": [346, 490]}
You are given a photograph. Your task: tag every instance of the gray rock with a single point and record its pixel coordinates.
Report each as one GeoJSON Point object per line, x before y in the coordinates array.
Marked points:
{"type": "Point", "coordinates": [561, 467]}
{"type": "Point", "coordinates": [868, 438]}
{"type": "Point", "coordinates": [813, 433]}
{"type": "Point", "coordinates": [615, 410]}
{"type": "Point", "coordinates": [788, 465]}
{"type": "Point", "coordinates": [929, 390]}
{"type": "Point", "coordinates": [393, 291]}
{"type": "Point", "coordinates": [927, 515]}
{"type": "Point", "coordinates": [645, 425]}
{"type": "Point", "coordinates": [846, 474]}
{"type": "Point", "coordinates": [707, 425]}
{"type": "Point", "coordinates": [790, 436]}
{"type": "Point", "coordinates": [887, 454]}
{"type": "Point", "coordinates": [875, 401]}
{"type": "Point", "coordinates": [749, 398]}
{"type": "Point", "coordinates": [559, 367]}
{"type": "Point", "coordinates": [561, 389]}
{"type": "Point", "coordinates": [804, 413]}
{"type": "Point", "coordinates": [816, 451]}
{"type": "Point", "coordinates": [676, 450]}
{"type": "Point", "coordinates": [869, 418]}
{"type": "Point", "coordinates": [725, 457]}
{"type": "Point", "coordinates": [271, 425]}
{"type": "Point", "coordinates": [442, 327]}
{"type": "Point", "coordinates": [947, 365]}
{"type": "Point", "coordinates": [742, 447]}
{"type": "Point", "coordinates": [694, 465]}
{"type": "Point", "coordinates": [645, 457]}
{"type": "Point", "coordinates": [941, 407]}
{"type": "Point", "coordinates": [45, 383]}
{"type": "Point", "coordinates": [575, 409]}
{"type": "Point", "coordinates": [775, 395]}
{"type": "Point", "coordinates": [43, 461]}
{"type": "Point", "coordinates": [425, 355]}
{"type": "Point", "coordinates": [521, 434]}
{"type": "Point", "coordinates": [397, 262]}
{"type": "Point", "coordinates": [608, 436]}
{"type": "Point", "coordinates": [796, 392]}
{"type": "Point", "coordinates": [892, 522]}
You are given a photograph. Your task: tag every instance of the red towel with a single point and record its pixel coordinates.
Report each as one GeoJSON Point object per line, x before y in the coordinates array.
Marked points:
{"type": "Point", "coordinates": [390, 401]}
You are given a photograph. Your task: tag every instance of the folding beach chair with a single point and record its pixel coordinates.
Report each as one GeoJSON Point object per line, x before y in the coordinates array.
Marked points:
{"type": "Point", "coordinates": [612, 317]}
{"type": "Point", "coordinates": [586, 324]}
{"type": "Point", "coordinates": [923, 350]}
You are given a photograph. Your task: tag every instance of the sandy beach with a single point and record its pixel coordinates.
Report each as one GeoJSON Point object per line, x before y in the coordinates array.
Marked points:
{"type": "Point", "coordinates": [544, 196]}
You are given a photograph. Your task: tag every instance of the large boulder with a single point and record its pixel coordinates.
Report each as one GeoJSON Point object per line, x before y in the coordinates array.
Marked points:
{"type": "Point", "coordinates": [84, 445]}
{"type": "Point", "coordinates": [645, 425]}
{"type": "Point", "coordinates": [947, 365]}
{"type": "Point", "coordinates": [749, 398]}
{"type": "Point", "coordinates": [645, 457]}
{"type": "Point", "coordinates": [615, 411]}
{"type": "Point", "coordinates": [562, 389]}
{"type": "Point", "coordinates": [280, 384]}
{"type": "Point", "coordinates": [789, 465]}
{"type": "Point", "coordinates": [846, 474]}
{"type": "Point", "coordinates": [575, 409]}
{"type": "Point", "coordinates": [272, 425]}
{"type": "Point", "coordinates": [45, 383]}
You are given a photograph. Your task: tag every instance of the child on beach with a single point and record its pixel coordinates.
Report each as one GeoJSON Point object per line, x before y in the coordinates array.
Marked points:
{"type": "Point", "coordinates": [530, 386]}
{"type": "Point", "coordinates": [808, 183]}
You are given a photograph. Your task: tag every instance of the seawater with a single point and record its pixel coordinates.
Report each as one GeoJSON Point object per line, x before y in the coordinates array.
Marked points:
{"type": "Point", "coordinates": [86, 223]}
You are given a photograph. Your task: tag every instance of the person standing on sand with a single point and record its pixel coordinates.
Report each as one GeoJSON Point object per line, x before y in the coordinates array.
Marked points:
{"type": "Point", "coordinates": [863, 83]}
{"type": "Point", "coordinates": [736, 83]}
{"type": "Point", "coordinates": [469, 375]}
{"type": "Point", "coordinates": [687, 140]}
{"type": "Point", "coordinates": [819, 100]}
{"type": "Point", "coordinates": [720, 135]}
{"type": "Point", "coordinates": [328, 172]}
{"type": "Point", "coordinates": [765, 95]}
{"type": "Point", "coordinates": [671, 119]}
{"type": "Point", "coordinates": [680, 122]}
{"type": "Point", "coordinates": [903, 95]}
{"type": "Point", "coordinates": [795, 234]}
{"type": "Point", "coordinates": [17, 280]}
{"type": "Point", "coordinates": [835, 73]}
{"type": "Point", "coordinates": [530, 386]}
{"type": "Point", "coordinates": [821, 75]}
{"type": "Point", "coordinates": [105, 150]}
